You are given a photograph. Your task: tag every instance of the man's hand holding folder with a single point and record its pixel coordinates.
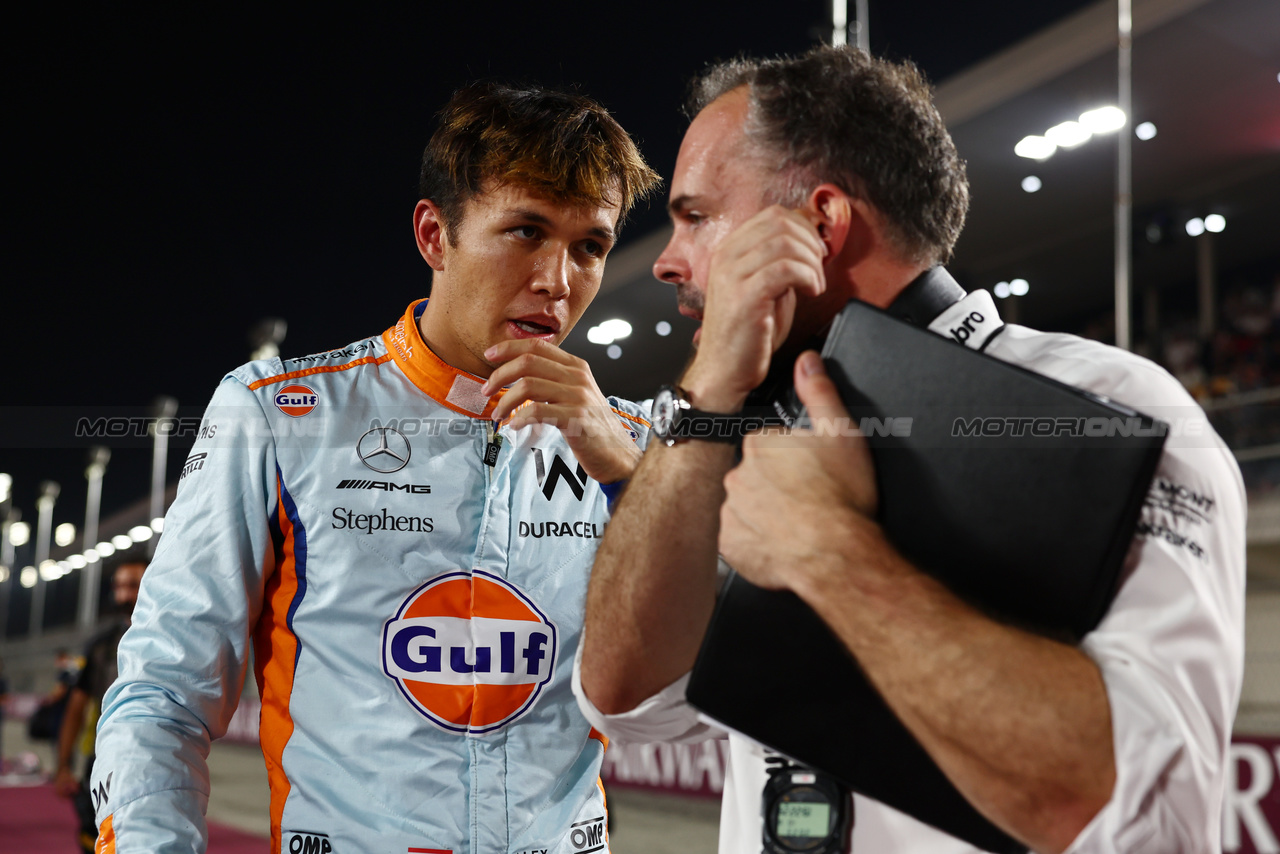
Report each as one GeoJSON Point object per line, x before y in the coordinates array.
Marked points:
{"type": "Point", "coordinates": [800, 515]}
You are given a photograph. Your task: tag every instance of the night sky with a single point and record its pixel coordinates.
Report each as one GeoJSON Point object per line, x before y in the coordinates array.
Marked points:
{"type": "Point", "coordinates": [175, 176]}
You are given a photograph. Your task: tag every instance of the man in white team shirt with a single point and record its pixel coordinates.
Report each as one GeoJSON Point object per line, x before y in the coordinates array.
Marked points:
{"type": "Point", "coordinates": [801, 183]}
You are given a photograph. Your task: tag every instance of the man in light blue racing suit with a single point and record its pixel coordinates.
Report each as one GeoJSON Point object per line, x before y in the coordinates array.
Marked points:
{"type": "Point", "coordinates": [402, 529]}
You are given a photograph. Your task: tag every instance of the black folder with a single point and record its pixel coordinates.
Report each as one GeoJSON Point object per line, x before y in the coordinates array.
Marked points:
{"type": "Point", "coordinates": [1018, 492]}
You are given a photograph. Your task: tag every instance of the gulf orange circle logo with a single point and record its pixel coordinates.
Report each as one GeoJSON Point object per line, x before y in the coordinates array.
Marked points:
{"type": "Point", "coordinates": [470, 651]}
{"type": "Point", "coordinates": [296, 400]}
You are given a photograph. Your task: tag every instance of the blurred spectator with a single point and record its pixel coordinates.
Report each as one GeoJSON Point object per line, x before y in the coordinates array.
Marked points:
{"type": "Point", "coordinates": [1248, 310]}
{"type": "Point", "coordinates": [46, 722]}
{"type": "Point", "coordinates": [1242, 356]}
{"type": "Point", "coordinates": [1181, 357]}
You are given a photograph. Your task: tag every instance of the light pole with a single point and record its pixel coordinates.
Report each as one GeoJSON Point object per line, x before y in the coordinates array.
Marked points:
{"type": "Point", "coordinates": [91, 579]}
{"type": "Point", "coordinates": [44, 530]}
{"type": "Point", "coordinates": [164, 409]}
{"type": "Point", "coordinates": [1124, 178]}
{"type": "Point", "coordinates": [7, 517]}
{"type": "Point", "coordinates": [16, 534]}
{"type": "Point", "coordinates": [266, 336]}
{"type": "Point", "coordinates": [840, 24]}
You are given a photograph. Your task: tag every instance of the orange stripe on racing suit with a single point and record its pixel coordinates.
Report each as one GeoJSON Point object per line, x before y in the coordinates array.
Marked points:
{"type": "Point", "coordinates": [106, 843]}
{"type": "Point", "coordinates": [275, 659]}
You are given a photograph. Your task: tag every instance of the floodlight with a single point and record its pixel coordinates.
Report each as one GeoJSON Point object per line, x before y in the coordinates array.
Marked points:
{"type": "Point", "coordinates": [1068, 134]}
{"type": "Point", "coordinates": [1103, 119]}
{"type": "Point", "coordinates": [19, 534]}
{"type": "Point", "coordinates": [1035, 148]}
{"type": "Point", "coordinates": [609, 331]}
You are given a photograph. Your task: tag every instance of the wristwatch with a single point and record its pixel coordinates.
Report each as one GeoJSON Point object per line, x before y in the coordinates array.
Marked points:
{"type": "Point", "coordinates": [675, 420]}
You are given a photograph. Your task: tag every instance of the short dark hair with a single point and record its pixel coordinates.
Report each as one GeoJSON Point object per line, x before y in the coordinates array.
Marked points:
{"type": "Point", "coordinates": [868, 125]}
{"type": "Point", "coordinates": [560, 145]}
{"type": "Point", "coordinates": [125, 557]}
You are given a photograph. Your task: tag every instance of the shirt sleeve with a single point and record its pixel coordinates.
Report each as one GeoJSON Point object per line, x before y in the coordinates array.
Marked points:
{"type": "Point", "coordinates": [664, 717]}
{"type": "Point", "coordinates": [635, 418]}
{"type": "Point", "coordinates": [1171, 652]}
{"type": "Point", "coordinates": [182, 662]}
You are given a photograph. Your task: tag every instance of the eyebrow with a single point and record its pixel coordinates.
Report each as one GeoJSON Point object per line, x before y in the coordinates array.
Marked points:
{"type": "Point", "coordinates": [541, 219]}
{"type": "Point", "coordinates": [680, 204]}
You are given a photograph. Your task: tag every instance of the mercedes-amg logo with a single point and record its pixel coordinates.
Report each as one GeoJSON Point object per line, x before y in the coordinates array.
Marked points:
{"type": "Point", "coordinates": [386, 453]}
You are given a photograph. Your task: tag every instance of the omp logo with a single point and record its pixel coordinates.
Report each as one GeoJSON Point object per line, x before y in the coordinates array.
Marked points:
{"type": "Point", "coordinates": [587, 835]}
{"type": "Point", "coordinates": [469, 651]}
{"type": "Point", "coordinates": [549, 480]}
{"type": "Point", "coordinates": [296, 400]}
{"type": "Point", "coordinates": [307, 842]}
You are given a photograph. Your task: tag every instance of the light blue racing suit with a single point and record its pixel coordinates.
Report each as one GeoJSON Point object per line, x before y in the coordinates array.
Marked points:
{"type": "Point", "coordinates": [413, 584]}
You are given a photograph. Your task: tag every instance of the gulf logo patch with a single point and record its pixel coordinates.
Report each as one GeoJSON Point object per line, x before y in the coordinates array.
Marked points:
{"type": "Point", "coordinates": [469, 651]}
{"type": "Point", "coordinates": [296, 400]}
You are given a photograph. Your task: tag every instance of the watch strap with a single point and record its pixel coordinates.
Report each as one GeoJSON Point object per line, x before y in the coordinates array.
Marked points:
{"type": "Point", "coordinates": [688, 422]}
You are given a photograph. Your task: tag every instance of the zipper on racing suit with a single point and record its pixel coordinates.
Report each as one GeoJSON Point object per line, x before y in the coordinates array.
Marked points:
{"type": "Point", "coordinates": [493, 445]}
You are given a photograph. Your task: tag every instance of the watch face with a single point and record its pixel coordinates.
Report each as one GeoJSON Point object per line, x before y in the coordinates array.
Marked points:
{"type": "Point", "coordinates": [664, 410]}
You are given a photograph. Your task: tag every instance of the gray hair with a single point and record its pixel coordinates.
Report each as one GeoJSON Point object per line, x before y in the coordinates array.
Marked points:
{"type": "Point", "coordinates": [867, 125]}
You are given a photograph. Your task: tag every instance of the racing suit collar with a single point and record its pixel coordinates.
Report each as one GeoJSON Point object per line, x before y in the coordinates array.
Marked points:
{"type": "Point", "coordinates": [443, 383]}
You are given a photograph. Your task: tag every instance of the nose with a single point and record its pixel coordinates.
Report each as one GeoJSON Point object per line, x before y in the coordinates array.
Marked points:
{"type": "Point", "coordinates": [671, 266]}
{"type": "Point", "coordinates": [551, 276]}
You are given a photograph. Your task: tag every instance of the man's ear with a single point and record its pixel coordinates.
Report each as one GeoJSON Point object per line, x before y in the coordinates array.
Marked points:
{"type": "Point", "coordinates": [832, 213]}
{"type": "Point", "coordinates": [847, 225]}
{"type": "Point", "coordinates": [428, 229]}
